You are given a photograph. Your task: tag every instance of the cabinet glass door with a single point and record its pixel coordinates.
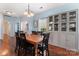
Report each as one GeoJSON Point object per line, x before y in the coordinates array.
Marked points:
{"type": "Point", "coordinates": [72, 26]}
{"type": "Point", "coordinates": [55, 27]}
{"type": "Point", "coordinates": [64, 17]}
{"type": "Point", "coordinates": [72, 16]}
{"type": "Point", "coordinates": [50, 23]}
{"type": "Point", "coordinates": [56, 18]}
{"type": "Point", "coordinates": [63, 26]}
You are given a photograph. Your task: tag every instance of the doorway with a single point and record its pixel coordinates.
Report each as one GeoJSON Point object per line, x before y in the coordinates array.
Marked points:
{"type": "Point", "coordinates": [6, 27]}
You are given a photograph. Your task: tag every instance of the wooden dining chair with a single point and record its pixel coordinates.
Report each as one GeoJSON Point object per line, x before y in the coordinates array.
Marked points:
{"type": "Point", "coordinates": [44, 45]}
{"type": "Point", "coordinates": [25, 45]}
{"type": "Point", "coordinates": [34, 32]}
{"type": "Point", "coordinates": [39, 32]}
{"type": "Point", "coordinates": [17, 43]}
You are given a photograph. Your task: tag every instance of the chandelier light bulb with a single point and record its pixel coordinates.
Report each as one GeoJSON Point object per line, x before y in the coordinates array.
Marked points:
{"type": "Point", "coordinates": [25, 13]}
{"type": "Point", "coordinates": [28, 13]}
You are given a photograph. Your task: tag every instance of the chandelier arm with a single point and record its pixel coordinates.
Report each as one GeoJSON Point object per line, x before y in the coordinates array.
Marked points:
{"type": "Point", "coordinates": [29, 12]}
{"type": "Point", "coordinates": [28, 9]}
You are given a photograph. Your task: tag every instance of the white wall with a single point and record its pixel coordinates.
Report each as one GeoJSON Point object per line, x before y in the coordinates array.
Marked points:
{"type": "Point", "coordinates": [1, 29]}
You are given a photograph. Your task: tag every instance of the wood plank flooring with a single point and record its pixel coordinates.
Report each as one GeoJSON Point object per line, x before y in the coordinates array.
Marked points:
{"type": "Point", "coordinates": [8, 46]}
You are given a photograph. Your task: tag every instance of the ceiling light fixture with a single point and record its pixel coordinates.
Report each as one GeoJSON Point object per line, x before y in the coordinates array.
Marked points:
{"type": "Point", "coordinates": [28, 12]}
{"type": "Point", "coordinates": [41, 7]}
{"type": "Point", "coordinates": [9, 13]}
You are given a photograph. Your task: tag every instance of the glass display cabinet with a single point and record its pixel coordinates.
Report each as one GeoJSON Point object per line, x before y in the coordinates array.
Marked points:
{"type": "Point", "coordinates": [65, 30]}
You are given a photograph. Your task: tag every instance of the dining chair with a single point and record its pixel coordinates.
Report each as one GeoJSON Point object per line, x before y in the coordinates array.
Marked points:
{"type": "Point", "coordinates": [39, 32]}
{"type": "Point", "coordinates": [34, 32]}
{"type": "Point", "coordinates": [17, 43]}
{"type": "Point", "coordinates": [25, 45]}
{"type": "Point", "coordinates": [44, 45]}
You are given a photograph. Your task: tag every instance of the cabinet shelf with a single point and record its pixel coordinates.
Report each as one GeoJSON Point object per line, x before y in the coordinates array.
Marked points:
{"type": "Point", "coordinates": [51, 22]}
{"type": "Point", "coordinates": [63, 20]}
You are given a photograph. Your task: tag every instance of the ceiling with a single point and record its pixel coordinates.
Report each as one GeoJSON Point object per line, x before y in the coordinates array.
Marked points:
{"type": "Point", "coordinates": [19, 8]}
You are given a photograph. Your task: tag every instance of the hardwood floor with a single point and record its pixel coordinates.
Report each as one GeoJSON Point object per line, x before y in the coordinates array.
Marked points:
{"type": "Point", "coordinates": [58, 51]}
{"type": "Point", "coordinates": [5, 48]}
{"type": "Point", "coordinates": [0, 43]}
{"type": "Point", "coordinates": [8, 46]}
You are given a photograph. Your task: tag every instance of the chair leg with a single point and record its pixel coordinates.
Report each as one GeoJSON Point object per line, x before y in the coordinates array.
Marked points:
{"type": "Point", "coordinates": [33, 52]}
{"type": "Point", "coordinates": [42, 53]}
{"type": "Point", "coordinates": [48, 51]}
{"type": "Point", "coordinates": [17, 50]}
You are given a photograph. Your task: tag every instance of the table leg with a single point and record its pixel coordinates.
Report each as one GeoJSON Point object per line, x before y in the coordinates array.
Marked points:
{"type": "Point", "coordinates": [36, 50]}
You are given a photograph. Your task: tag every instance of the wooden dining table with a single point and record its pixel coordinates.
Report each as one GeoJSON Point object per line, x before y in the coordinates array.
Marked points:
{"type": "Point", "coordinates": [35, 40]}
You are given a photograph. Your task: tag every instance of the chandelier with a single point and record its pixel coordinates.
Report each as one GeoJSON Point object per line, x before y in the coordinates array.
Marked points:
{"type": "Point", "coordinates": [28, 12]}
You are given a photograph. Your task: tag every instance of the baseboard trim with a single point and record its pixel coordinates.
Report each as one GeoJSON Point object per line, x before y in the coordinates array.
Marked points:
{"type": "Point", "coordinates": [64, 48]}
{"type": "Point", "coordinates": [72, 49]}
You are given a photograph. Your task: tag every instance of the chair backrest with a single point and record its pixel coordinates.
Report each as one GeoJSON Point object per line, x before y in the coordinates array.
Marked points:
{"type": "Point", "coordinates": [34, 32]}
{"type": "Point", "coordinates": [39, 32]}
{"type": "Point", "coordinates": [22, 36]}
{"type": "Point", "coordinates": [17, 35]}
{"type": "Point", "coordinates": [46, 39]}
{"type": "Point", "coordinates": [17, 38]}
{"type": "Point", "coordinates": [23, 41]}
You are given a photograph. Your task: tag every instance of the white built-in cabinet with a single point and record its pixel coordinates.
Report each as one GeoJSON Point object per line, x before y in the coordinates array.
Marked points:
{"type": "Point", "coordinates": [63, 28]}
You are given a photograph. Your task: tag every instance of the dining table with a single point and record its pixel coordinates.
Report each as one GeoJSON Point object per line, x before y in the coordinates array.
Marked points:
{"type": "Point", "coordinates": [35, 40]}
